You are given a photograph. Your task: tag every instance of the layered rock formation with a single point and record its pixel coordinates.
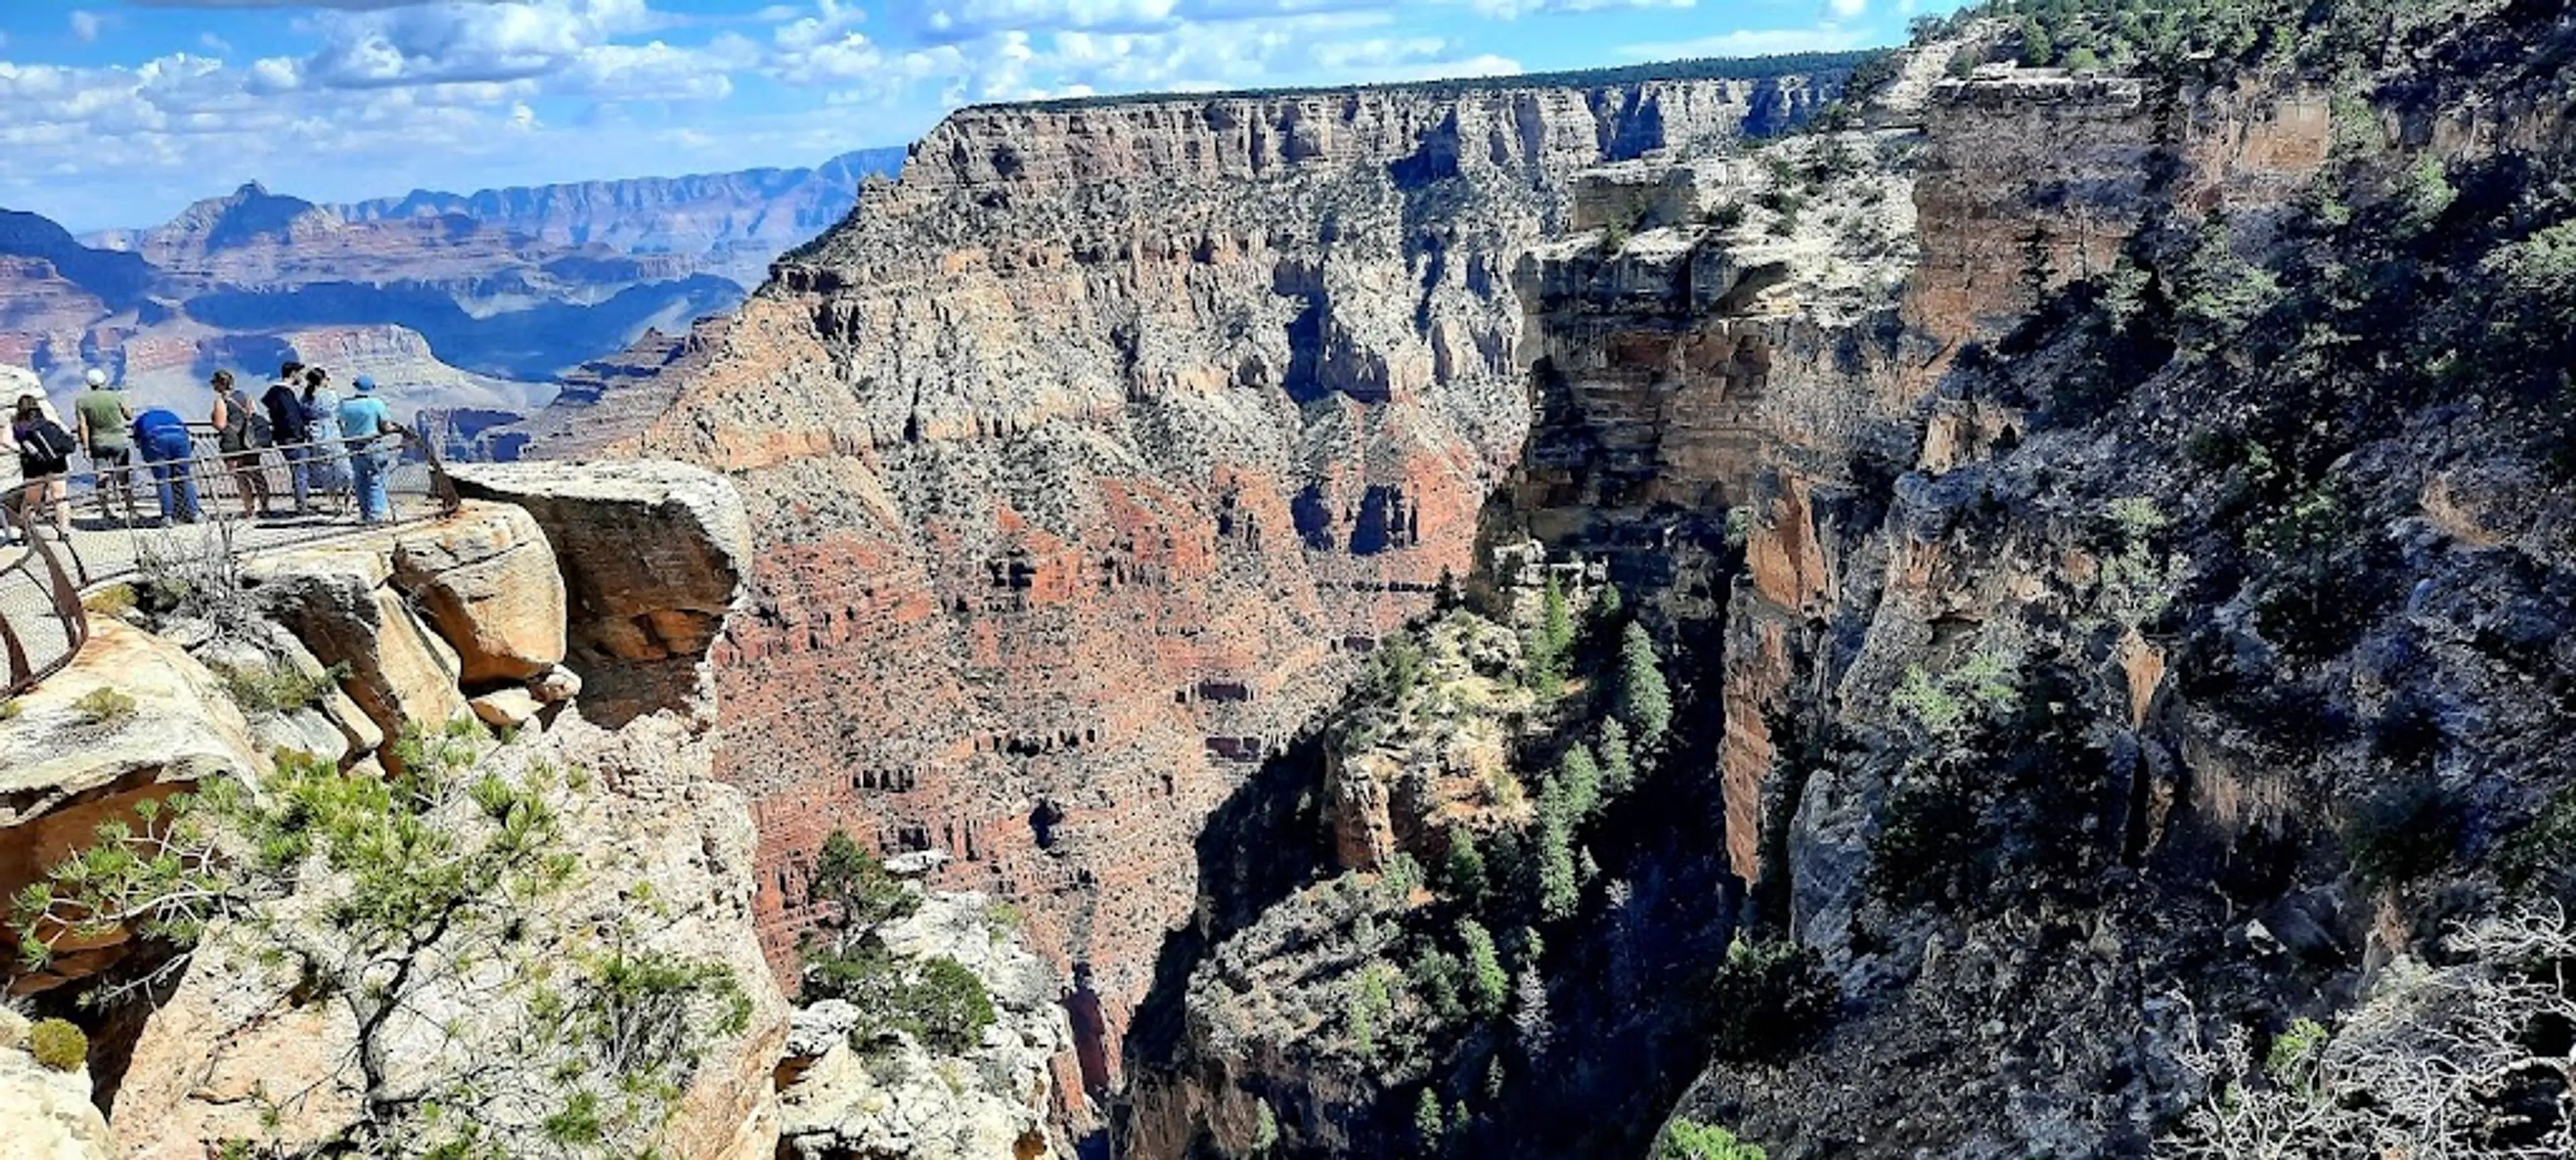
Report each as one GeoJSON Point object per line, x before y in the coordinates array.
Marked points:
{"type": "Point", "coordinates": [1086, 459]}
{"type": "Point", "coordinates": [728, 224]}
{"type": "Point", "coordinates": [839, 1100]}
{"type": "Point", "coordinates": [461, 301]}
{"type": "Point", "coordinates": [334, 653]}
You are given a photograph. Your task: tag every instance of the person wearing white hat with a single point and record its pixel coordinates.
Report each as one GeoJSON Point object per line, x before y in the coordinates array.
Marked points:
{"type": "Point", "coordinates": [106, 431]}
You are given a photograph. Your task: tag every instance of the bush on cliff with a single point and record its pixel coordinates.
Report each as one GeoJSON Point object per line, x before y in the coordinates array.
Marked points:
{"type": "Point", "coordinates": [1771, 999]}
{"type": "Point", "coordinates": [935, 1000]}
{"type": "Point", "coordinates": [1688, 1139]}
{"type": "Point", "coordinates": [376, 895]}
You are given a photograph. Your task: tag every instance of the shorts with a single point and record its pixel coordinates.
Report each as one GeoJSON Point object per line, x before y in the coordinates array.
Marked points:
{"type": "Point", "coordinates": [111, 456]}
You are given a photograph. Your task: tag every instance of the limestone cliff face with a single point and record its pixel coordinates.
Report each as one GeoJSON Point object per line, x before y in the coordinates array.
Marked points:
{"type": "Point", "coordinates": [1086, 458]}
{"type": "Point", "coordinates": [626, 572]}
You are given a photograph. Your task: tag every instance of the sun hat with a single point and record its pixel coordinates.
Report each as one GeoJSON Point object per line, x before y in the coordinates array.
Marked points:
{"type": "Point", "coordinates": [95, 377]}
{"type": "Point", "coordinates": [364, 384]}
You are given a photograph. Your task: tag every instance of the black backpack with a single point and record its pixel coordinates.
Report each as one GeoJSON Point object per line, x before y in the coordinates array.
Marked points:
{"type": "Point", "coordinates": [56, 440]}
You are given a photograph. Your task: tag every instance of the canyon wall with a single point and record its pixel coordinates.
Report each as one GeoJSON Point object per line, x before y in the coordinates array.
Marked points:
{"type": "Point", "coordinates": [1089, 460]}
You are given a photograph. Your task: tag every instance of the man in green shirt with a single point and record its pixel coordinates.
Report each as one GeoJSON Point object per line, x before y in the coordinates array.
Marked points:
{"type": "Point", "coordinates": [106, 426]}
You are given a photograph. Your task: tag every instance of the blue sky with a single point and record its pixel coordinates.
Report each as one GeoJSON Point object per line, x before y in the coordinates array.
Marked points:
{"type": "Point", "coordinates": [120, 112]}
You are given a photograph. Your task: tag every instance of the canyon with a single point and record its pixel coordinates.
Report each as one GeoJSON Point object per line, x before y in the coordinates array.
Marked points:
{"type": "Point", "coordinates": [468, 303]}
{"type": "Point", "coordinates": [1090, 460]}
{"type": "Point", "coordinates": [2008, 597]}
{"type": "Point", "coordinates": [1094, 461]}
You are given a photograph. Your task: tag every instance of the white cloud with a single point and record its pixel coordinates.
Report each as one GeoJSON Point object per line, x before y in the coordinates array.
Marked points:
{"type": "Point", "coordinates": [438, 43]}
{"type": "Point", "coordinates": [84, 24]}
{"type": "Point", "coordinates": [1753, 42]}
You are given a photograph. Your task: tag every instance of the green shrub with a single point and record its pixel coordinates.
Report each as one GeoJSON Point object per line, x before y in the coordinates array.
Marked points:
{"type": "Point", "coordinates": [1688, 1139]}
{"type": "Point", "coordinates": [1772, 998]}
{"type": "Point", "coordinates": [937, 1001]}
{"type": "Point", "coordinates": [854, 879]}
{"type": "Point", "coordinates": [58, 1045]}
{"type": "Point", "coordinates": [280, 688]}
{"type": "Point", "coordinates": [104, 706]}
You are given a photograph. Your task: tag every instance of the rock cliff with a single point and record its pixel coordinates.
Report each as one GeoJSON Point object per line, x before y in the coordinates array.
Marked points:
{"type": "Point", "coordinates": [321, 669]}
{"type": "Point", "coordinates": [1088, 459]}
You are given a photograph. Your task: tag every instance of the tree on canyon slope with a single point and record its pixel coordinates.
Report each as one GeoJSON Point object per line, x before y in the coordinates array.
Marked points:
{"type": "Point", "coordinates": [487, 1022]}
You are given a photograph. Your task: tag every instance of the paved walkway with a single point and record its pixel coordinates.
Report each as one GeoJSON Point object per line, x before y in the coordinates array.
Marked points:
{"type": "Point", "coordinates": [41, 636]}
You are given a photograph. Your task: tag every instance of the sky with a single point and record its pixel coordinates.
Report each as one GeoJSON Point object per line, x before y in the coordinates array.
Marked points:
{"type": "Point", "coordinates": [121, 112]}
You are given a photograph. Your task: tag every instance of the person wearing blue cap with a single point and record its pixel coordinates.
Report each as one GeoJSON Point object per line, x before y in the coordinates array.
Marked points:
{"type": "Point", "coordinates": [364, 422]}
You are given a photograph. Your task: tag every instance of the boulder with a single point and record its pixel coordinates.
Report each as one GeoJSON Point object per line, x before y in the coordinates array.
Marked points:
{"type": "Point", "coordinates": [487, 581]}
{"type": "Point", "coordinates": [507, 709]}
{"type": "Point", "coordinates": [45, 1114]}
{"type": "Point", "coordinates": [65, 768]}
{"type": "Point", "coordinates": [653, 557]}
{"type": "Point", "coordinates": [652, 553]}
{"type": "Point", "coordinates": [339, 601]}
{"type": "Point", "coordinates": [556, 686]}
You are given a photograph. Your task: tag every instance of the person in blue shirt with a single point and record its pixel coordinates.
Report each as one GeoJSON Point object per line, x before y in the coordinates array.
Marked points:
{"type": "Point", "coordinates": [364, 421]}
{"type": "Point", "coordinates": [162, 437]}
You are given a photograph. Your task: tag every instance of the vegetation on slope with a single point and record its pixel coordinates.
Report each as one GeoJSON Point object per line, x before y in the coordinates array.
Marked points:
{"type": "Point", "coordinates": [395, 899]}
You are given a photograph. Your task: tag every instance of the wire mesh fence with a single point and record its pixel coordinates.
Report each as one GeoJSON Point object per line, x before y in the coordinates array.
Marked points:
{"type": "Point", "coordinates": [117, 520]}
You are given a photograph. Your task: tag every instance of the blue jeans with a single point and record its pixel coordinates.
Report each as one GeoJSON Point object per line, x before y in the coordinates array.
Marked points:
{"type": "Point", "coordinates": [299, 471]}
{"type": "Point", "coordinates": [373, 465]}
{"type": "Point", "coordinates": [177, 485]}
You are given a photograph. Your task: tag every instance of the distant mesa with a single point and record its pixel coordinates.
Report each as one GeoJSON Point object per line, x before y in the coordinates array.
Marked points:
{"type": "Point", "coordinates": [477, 304]}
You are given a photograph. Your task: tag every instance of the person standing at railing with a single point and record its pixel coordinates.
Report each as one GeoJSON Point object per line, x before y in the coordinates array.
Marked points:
{"type": "Point", "coordinates": [237, 438]}
{"type": "Point", "coordinates": [44, 459]}
{"type": "Point", "coordinates": [162, 436]}
{"type": "Point", "coordinates": [104, 420]}
{"type": "Point", "coordinates": [365, 422]}
{"type": "Point", "coordinates": [322, 410]}
{"type": "Point", "coordinates": [292, 431]}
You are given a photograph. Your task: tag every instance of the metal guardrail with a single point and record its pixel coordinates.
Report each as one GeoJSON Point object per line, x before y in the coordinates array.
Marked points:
{"type": "Point", "coordinates": [239, 504]}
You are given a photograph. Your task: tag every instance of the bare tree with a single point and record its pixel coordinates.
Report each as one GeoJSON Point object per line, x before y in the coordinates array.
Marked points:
{"type": "Point", "coordinates": [2469, 1061]}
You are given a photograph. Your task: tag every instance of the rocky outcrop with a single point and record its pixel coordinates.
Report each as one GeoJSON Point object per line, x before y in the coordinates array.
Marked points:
{"type": "Point", "coordinates": [341, 602]}
{"type": "Point", "coordinates": [488, 582]}
{"type": "Point", "coordinates": [134, 719]}
{"type": "Point", "coordinates": [45, 1114]}
{"type": "Point", "coordinates": [655, 859]}
{"type": "Point", "coordinates": [653, 555]}
{"type": "Point", "coordinates": [239, 1050]}
{"type": "Point", "coordinates": [1088, 458]}
{"type": "Point", "coordinates": [842, 1100]}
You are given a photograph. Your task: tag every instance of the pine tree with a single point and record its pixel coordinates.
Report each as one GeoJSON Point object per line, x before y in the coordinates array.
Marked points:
{"type": "Point", "coordinates": [1464, 872]}
{"type": "Point", "coordinates": [1265, 1131]}
{"type": "Point", "coordinates": [1617, 761]}
{"type": "Point", "coordinates": [1428, 1122]}
{"type": "Point", "coordinates": [1607, 607]}
{"type": "Point", "coordinates": [1645, 702]}
{"type": "Point", "coordinates": [1550, 645]}
{"type": "Point", "coordinates": [1559, 890]}
{"type": "Point", "coordinates": [1491, 986]}
{"type": "Point", "coordinates": [1581, 777]}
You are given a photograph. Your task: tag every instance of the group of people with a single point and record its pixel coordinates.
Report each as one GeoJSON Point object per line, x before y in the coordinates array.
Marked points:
{"type": "Point", "coordinates": [330, 446]}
